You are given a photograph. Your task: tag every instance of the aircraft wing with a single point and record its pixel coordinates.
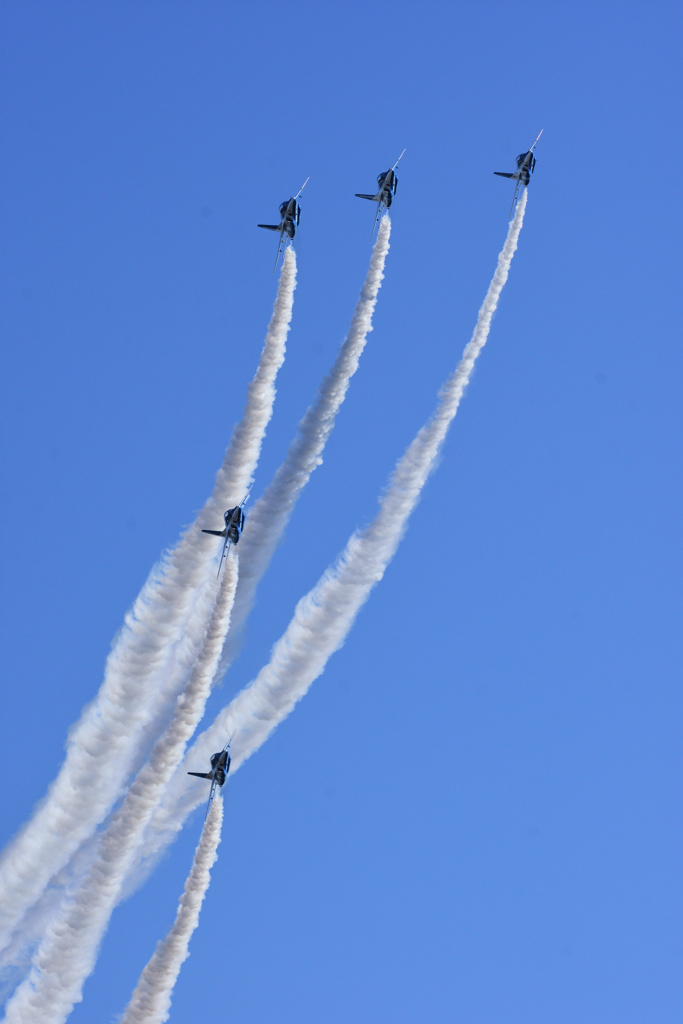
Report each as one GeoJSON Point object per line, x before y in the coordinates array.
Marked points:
{"type": "Point", "coordinates": [504, 174]}
{"type": "Point", "coordinates": [361, 195]}
{"type": "Point", "coordinates": [215, 533]}
{"type": "Point", "coordinates": [223, 554]}
{"type": "Point", "coordinates": [280, 247]}
{"type": "Point", "coordinates": [531, 148]}
{"type": "Point", "coordinates": [516, 197]}
{"type": "Point", "coordinates": [379, 207]}
{"type": "Point", "coordinates": [304, 186]}
{"type": "Point", "coordinates": [396, 164]}
{"type": "Point", "coordinates": [211, 796]}
{"type": "Point", "coordinates": [270, 227]}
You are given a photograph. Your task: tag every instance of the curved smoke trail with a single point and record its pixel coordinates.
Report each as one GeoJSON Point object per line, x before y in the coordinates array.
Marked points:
{"type": "Point", "coordinates": [271, 513]}
{"type": "Point", "coordinates": [68, 950]}
{"type": "Point", "coordinates": [324, 617]}
{"type": "Point", "coordinates": [151, 1000]}
{"type": "Point", "coordinates": [152, 656]}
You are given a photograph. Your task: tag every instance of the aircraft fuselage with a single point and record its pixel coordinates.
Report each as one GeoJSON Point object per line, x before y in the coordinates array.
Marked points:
{"type": "Point", "coordinates": [220, 766]}
{"type": "Point", "coordinates": [234, 523]}
{"type": "Point", "coordinates": [388, 183]}
{"type": "Point", "coordinates": [290, 213]}
{"type": "Point", "coordinates": [525, 166]}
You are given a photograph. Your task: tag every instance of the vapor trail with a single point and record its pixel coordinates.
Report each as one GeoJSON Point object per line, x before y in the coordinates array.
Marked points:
{"type": "Point", "coordinates": [325, 615]}
{"type": "Point", "coordinates": [68, 951]}
{"type": "Point", "coordinates": [149, 664]}
{"type": "Point", "coordinates": [271, 513]}
{"type": "Point", "coordinates": [151, 1000]}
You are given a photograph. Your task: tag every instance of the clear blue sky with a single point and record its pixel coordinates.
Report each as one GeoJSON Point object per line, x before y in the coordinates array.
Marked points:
{"type": "Point", "coordinates": [474, 816]}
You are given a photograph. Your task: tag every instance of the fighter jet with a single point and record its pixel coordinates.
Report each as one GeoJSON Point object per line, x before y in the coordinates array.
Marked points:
{"type": "Point", "coordinates": [220, 766]}
{"type": "Point", "coordinates": [388, 183]}
{"type": "Point", "coordinates": [525, 168]}
{"type": "Point", "coordinates": [232, 531]}
{"type": "Point", "coordinates": [290, 214]}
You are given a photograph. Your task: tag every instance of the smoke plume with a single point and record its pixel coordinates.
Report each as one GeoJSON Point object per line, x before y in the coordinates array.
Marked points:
{"type": "Point", "coordinates": [151, 1000]}
{"type": "Point", "coordinates": [149, 664]}
{"type": "Point", "coordinates": [271, 513]}
{"type": "Point", "coordinates": [68, 950]}
{"type": "Point", "coordinates": [325, 615]}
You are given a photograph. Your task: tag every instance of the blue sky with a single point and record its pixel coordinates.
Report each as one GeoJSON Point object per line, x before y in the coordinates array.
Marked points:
{"type": "Point", "coordinates": [474, 815]}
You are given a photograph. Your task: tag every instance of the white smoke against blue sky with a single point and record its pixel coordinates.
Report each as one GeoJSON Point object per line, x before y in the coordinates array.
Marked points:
{"type": "Point", "coordinates": [489, 765]}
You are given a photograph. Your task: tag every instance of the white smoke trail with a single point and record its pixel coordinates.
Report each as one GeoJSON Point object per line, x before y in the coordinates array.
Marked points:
{"type": "Point", "coordinates": [68, 951]}
{"type": "Point", "coordinates": [324, 617]}
{"type": "Point", "coordinates": [270, 515]}
{"type": "Point", "coordinates": [149, 664]}
{"type": "Point", "coordinates": [151, 1000]}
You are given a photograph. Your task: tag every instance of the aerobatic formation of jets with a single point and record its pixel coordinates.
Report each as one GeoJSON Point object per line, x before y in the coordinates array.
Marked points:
{"type": "Point", "coordinates": [290, 215]}
{"type": "Point", "coordinates": [220, 766]}
{"type": "Point", "coordinates": [192, 702]}
{"type": "Point", "coordinates": [387, 183]}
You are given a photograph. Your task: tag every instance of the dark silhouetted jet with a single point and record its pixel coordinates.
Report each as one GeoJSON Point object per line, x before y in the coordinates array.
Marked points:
{"type": "Point", "coordinates": [525, 168]}
{"type": "Point", "coordinates": [290, 214]}
{"type": "Point", "coordinates": [232, 531]}
{"type": "Point", "coordinates": [384, 197]}
{"type": "Point", "coordinates": [220, 766]}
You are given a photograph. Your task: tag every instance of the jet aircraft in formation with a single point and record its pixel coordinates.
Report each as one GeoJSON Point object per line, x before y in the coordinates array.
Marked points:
{"type": "Point", "coordinates": [232, 531]}
{"type": "Point", "coordinates": [387, 183]}
{"type": "Point", "coordinates": [290, 213]}
{"type": "Point", "coordinates": [220, 766]}
{"type": "Point", "coordinates": [525, 168]}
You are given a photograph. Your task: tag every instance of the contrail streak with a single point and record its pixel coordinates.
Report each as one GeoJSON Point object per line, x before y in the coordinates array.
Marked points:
{"type": "Point", "coordinates": [324, 617]}
{"type": "Point", "coordinates": [271, 513]}
{"type": "Point", "coordinates": [268, 518]}
{"type": "Point", "coordinates": [149, 664]}
{"type": "Point", "coordinates": [151, 1000]}
{"type": "Point", "coordinates": [68, 951]}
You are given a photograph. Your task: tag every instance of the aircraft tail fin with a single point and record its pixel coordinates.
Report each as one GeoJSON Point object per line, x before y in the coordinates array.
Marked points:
{"type": "Point", "coordinates": [503, 174]}
{"type": "Point", "coordinates": [270, 227]}
{"type": "Point", "coordinates": [361, 195]}
{"type": "Point", "coordinates": [201, 775]}
{"type": "Point", "coordinates": [215, 533]}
